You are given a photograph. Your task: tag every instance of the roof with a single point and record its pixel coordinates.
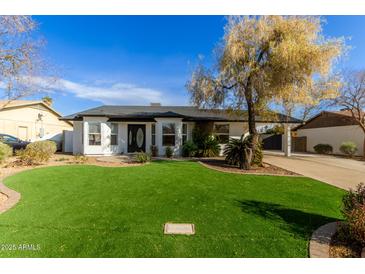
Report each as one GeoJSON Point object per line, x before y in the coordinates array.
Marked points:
{"type": "Point", "coordinates": [17, 103]}
{"type": "Point", "coordinates": [188, 113]}
{"type": "Point", "coordinates": [333, 118]}
{"type": "Point", "coordinates": [346, 112]}
{"type": "Point", "coordinates": [6, 104]}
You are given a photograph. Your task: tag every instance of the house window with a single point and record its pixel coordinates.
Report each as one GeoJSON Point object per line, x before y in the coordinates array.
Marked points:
{"type": "Point", "coordinates": [94, 134]}
{"type": "Point", "coordinates": [153, 134]}
{"type": "Point", "coordinates": [114, 134]}
{"type": "Point", "coordinates": [221, 132]}
{"type": "Point", "coordinates": [168, 134]}
{"type": "Point", "coordinates": [184, 133]}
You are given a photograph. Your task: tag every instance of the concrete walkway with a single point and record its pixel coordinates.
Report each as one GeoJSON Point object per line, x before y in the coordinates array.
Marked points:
{"type": "Point", "coordinates": [340, 172]}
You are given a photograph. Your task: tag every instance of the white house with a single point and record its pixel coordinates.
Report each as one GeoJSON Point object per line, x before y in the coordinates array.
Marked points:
{"type": "Point", "coordinates": [108, 130]}
{"type": "Point", "coordinates": [333, 128]}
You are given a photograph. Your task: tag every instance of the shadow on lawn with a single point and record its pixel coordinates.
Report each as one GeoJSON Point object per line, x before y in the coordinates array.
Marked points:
{"type": "Point", "coordinates": [294, 221]}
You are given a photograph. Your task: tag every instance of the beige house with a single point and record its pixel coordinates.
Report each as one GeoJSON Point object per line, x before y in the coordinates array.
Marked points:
{"type": "Point", "coordinates": [333, 128]}
{"type": "Point", "coordinates": [31, 120]}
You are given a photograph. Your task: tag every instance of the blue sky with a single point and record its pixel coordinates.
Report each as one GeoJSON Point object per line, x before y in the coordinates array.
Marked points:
{"type": "Point", "coordinates": [143, 59]}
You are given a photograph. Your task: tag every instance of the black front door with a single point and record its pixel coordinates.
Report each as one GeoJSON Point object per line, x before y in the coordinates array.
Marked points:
{"type": "Point", "coordinates": [136, 138]}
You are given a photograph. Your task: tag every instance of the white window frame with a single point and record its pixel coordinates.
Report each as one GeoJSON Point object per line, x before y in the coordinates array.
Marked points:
{"type": "Point", "coordinates": [93, 133]}
{"type": "Point", "coordinates": [184, 134]}
{"type": "Point", "coordinates": [217, 134]}
{"type": "Point", "coordinates": [168, 134]}
{"type": "Point", "coordinates": [153, 134]}
{"type": "Point", "coordinates": [114, 134]}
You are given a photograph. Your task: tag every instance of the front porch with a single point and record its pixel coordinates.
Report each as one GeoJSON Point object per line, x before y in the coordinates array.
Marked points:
{"type": "Point", "coordinates": [109, 136]}
{"type": "Point", "coordinates": [101, 136]}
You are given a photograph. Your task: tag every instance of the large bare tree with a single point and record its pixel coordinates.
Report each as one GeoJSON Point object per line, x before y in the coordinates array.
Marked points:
{"type": "Point", "coordinates": [21, 66]}
{"type": "Point", "coordinates": [264, 59]}
{"type": "Point", "coordinates": [352, 97]}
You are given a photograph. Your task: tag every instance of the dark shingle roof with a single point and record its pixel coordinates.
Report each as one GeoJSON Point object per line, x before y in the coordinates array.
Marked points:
{"type": "Point", "coordinates": [188, 113]}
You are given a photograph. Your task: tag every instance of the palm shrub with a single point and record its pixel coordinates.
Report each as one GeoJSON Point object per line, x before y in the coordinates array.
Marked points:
{"type": "Point", "coordinates": [349, 148]}
{"type": "Point", "coordinates": [207, 144]}
{"type": "Point", "coordinates": [5, 152]}
{"type": "Point", "coordinates": [189, 149]}
{"type": "Point", "coordinates": [238, 152]}
{"type": "Point", "coordinates": [199, 137]}
{"type": "Point", "coordinates": [210, 147]}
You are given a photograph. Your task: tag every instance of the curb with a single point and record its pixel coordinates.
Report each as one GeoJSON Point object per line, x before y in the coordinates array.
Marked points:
{"type": "Point", "coordinates": [319, 245]}
{"type": "Point", "coordinates": [13, 198]}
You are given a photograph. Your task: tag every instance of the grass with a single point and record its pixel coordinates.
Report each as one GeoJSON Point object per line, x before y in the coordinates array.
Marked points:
{"type": "Point", "coordinates": [88, 211]}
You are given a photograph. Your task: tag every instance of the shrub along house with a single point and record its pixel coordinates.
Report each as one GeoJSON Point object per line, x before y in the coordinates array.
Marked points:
{"type": "Point", "coordinates": [107, 130]}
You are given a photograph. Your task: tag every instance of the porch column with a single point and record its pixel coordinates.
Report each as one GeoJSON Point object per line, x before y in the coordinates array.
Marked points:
{"type": "Point", "coordinates": [178, 141]}
{"type": "Point", "coordinates": [159, 137]}
{"type": "Point", "coordinates": [287, 140]}
{"type": "Point", "coordinates": [85, 136]}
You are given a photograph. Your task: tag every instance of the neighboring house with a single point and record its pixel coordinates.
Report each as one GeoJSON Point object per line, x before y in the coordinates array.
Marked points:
{"type": "Point", "coordinates": [109, 130]}
{"type": "Point", "coordinates": [333, 128]}
{"type": "Point", "coordinates": [31, 120]}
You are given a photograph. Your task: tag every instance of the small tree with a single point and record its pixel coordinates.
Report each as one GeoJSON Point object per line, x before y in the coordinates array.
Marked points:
{"type": "Point", "coordinates": [352, 98]}
{"type": "Point", "coordinates": [47, 100]}
{"type": "Point", "coordinates": [264, 59]}
{"type": "Point", "coordinates": [21, 66]}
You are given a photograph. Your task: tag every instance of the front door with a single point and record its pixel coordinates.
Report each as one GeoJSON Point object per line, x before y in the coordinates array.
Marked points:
{"type": "Point", "coordinates": [136, 138]}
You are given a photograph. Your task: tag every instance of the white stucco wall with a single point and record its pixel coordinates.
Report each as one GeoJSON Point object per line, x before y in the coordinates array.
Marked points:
{"type": "Point", "coordinates": [178, 134]}
{"type": "Point", "coordinates": [81, 143]}
{"type": "Point", "coordinates": [333, 136]}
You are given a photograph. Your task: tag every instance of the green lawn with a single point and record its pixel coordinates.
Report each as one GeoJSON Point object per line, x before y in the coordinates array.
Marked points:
{"type": "Point", "coordinates": [88, 211]}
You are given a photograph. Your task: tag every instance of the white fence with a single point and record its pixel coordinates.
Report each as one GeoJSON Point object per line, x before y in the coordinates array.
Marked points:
{"type": "Point", "coordinates": [67, 141]}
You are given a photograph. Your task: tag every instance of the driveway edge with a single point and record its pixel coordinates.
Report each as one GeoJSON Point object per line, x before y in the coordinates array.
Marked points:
{"type": "Point", "coordinates": [13, 198]}
{"type": "Point", "coordinates": [319, 245]}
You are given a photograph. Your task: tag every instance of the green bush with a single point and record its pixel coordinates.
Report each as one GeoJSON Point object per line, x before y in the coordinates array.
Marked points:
{"type": "Point", "coordinates": [199, 137]}
{"type": "Point", "coordinates": [169, 152]}
{"type": "Point", "coordinates": [323, 148]}
{"type": "Point", "coordinates": [207, 145]}
{"type": "Point", "coordinates": [80, 159]}
{"type": "Point", "coordinates": [210, 147]}
{"type": "Point", "coordinates": [349, 148]}
{"type": "Point", "coordinates": [235, 151]}
{"type": "Point", "coordinates": [353, 198]}
{"type": "Point", "coordinates": [354, 213]}
{"type": "Point", "coordinates": [142, 157]}
{"type": "Point", "coordinates": [5, 152]}
{"type": "Point", "coordinates": [37, 152]}
{"type": "Point", "coordinates": [154, 151]}
{"type": "Point", "coordinates": [189, 149]}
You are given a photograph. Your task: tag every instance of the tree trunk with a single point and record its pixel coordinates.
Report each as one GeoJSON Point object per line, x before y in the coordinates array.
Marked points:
{"type": "Point", "coordinates": [251, 128]}
{"type": "Point", "coordinates": [363, 148]}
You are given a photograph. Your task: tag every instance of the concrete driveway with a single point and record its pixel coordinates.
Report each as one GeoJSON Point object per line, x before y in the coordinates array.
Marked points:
{"type": "Point", "coordinates": [340, 172]}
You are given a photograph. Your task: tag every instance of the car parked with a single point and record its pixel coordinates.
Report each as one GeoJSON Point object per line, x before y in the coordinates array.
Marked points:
{"type": "Point", "coordinates": [12, 141]}
{"type": "Point", "coordinates": [57, 138]}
